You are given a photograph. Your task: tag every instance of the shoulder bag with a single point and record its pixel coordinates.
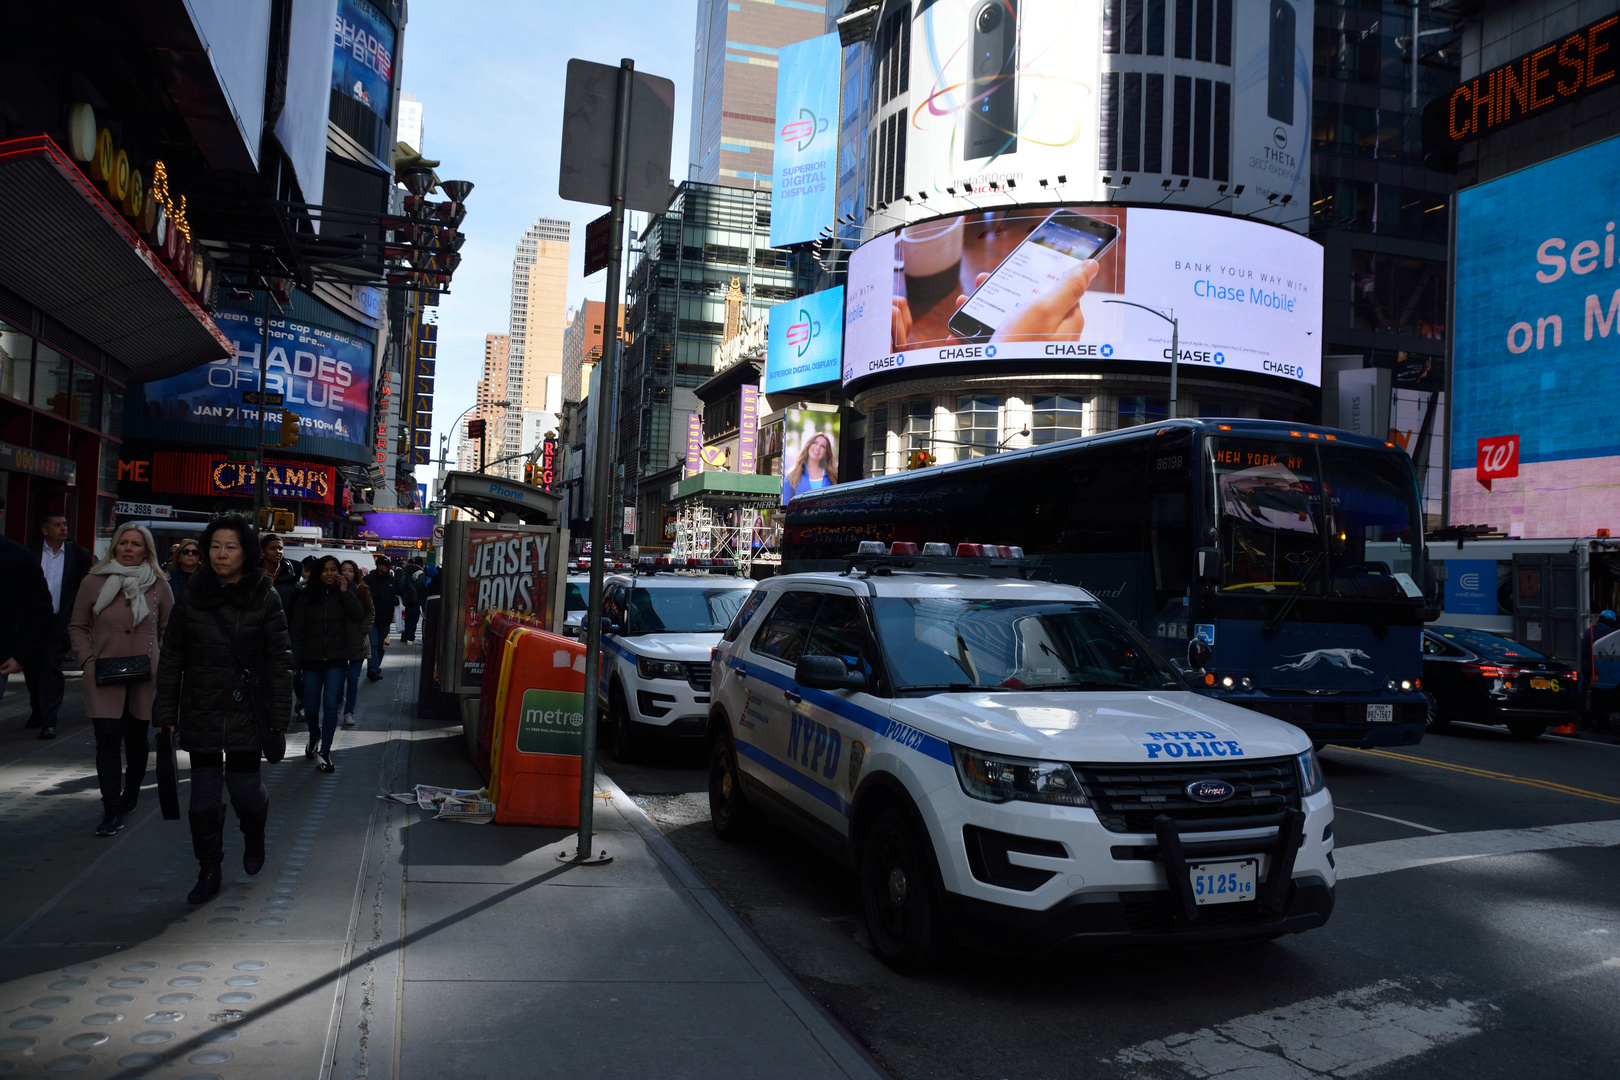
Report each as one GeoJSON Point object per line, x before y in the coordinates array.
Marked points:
{"type": "Point", "coordinates": [271, 741]}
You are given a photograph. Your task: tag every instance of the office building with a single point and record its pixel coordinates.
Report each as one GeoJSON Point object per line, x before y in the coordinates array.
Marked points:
{"type": "Point", "coordinates": [582, 347]}
{"type": "Point", "coordinates": [410, 122]}
{"type": "Point", "coordinates": [734, 85]}
{"type": "Point", "coordinates": [534, 346]}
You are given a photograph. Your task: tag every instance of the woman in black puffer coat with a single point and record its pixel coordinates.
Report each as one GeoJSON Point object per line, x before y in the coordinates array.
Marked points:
{"type": "Point", "coordinates": [324, 624]}
{"type": "Point", "coordinates": [225, 651]}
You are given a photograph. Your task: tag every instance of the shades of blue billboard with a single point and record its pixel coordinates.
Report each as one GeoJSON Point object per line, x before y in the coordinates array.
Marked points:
{"type": "Point", "coordinates": [323, 375]}
{"type": "Point", "coordinates": [363, 55]}
{"type": "Point", "coordinates": [1535, 331]}
{"type": "Point", "coordinates": [805, 161]}
{"type": "Point", "coordinates": [805, 342]}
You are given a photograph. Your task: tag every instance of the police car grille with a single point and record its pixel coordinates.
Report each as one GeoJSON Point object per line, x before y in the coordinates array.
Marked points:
{"type": "Point", "coordinates": [1128, 797]}
{"type": "Point", "coordinates": [698, 676]}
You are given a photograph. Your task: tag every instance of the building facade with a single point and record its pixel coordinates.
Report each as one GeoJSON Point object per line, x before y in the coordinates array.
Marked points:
{"type": "Point", "coordinates": [582, 347]}
{"type": "Point", "coordinates": [534, 349]}
{"type": "Point", "coordinates": [734, 84]}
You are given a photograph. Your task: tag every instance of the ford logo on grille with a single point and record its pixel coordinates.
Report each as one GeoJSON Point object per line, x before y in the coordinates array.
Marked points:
{"type": "Point", "coordinates": [1210, 791]}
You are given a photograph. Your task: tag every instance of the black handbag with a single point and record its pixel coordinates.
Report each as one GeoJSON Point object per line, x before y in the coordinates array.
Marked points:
{"type": "Point", "coordinates": [122, 670]}
{"type": "Point", "coordinates": [272, 743]}
{"type": "Point", "coordinates": [168, 775]}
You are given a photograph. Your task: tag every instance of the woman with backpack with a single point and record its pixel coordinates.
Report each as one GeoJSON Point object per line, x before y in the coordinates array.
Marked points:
{"type": "Point", "coordinates": [325, 622]}
{"type": "Point", "coordinates": [224, 683]}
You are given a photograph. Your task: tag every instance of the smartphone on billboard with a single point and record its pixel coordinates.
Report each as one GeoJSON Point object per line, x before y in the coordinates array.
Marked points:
{"type": "Point", "coordinates": [1280, 78]}
{"type": "Point", "coordinates": [992, 112]}
{"type": "Point", "coordinates": [1035, 266]}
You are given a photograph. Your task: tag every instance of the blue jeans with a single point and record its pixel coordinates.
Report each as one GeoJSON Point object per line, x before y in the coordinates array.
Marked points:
{"type": "Point", "coordinates": [351, 684]}
{"type": "Point", "coordinates": [379, 635]}
{"type": "Point", "coordinates": [323, 693]}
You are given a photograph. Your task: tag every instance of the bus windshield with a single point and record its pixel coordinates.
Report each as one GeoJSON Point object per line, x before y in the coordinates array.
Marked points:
{"type": "Point", "coordinates": [941, 643]}
{"type": "Point", "coordinates": [1296, 519]}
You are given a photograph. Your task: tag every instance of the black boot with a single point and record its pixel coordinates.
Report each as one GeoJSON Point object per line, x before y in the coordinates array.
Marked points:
{"type": "Point", "coordinates": [133, 779]}
{"type": "Point", "coordinates": [208, 844]}
{"type": "Point", "coordinates": [252, 826]}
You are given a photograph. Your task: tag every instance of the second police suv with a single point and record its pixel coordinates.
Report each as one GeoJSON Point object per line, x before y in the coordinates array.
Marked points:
{"type": "Point", "coordinates": [1007, 764]}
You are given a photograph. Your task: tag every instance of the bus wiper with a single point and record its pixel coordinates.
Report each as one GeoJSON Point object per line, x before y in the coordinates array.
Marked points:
{"type": "Point", "coordinates": [1379, 630]}
{"type": "Point", "coordinates": [1299, 590]}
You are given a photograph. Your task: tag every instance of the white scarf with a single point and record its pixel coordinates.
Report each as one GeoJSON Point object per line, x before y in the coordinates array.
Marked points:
{"type": "Point", "coordinates": [132, 581]}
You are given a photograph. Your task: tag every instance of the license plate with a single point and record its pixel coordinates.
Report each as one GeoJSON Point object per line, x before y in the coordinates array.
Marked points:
{"type": "Point", "coordinates": [1541, 684]}
{"type": "Point", "coordinates": [1380, 714]}
{"type": "Point", "coordinates": [1223, 882]}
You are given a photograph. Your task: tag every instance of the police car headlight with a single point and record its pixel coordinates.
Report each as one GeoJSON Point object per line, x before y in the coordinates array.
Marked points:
{"type": "Point", "coordinates": [994, 778]}
{"type": "Point", "coordinates": [1311, 779]}
{"type": "Point", "coordinates": [660, 669]}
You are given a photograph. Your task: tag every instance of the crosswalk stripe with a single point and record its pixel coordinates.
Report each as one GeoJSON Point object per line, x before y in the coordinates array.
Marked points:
{"type": "Point", "coordinates": [1388, 856]}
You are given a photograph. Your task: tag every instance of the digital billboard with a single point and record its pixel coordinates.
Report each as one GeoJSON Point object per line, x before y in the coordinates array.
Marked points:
{"type": "Point", "coordinates": [1083, 95]}
{"type": "Point", "coordinates": [323, 375]}
{"type": "Point", "coordinates": [809, 451]}
{"type": "Point", "coordinates": [1535, 446]}
{"type": "Point", "coordinates": [804, 170]}
{"type": "Point", "coordinates": [1010, 286]}
{"type": "Point", "coordinates": [363, 55]}
{"type": "Point", "coordinates": [804, 341]}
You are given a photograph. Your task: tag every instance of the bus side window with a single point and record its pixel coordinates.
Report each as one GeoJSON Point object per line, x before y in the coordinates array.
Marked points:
{"type": "Point", "coordinates": [1170, 537]}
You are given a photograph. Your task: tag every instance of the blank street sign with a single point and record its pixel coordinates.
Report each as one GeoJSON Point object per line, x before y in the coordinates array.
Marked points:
{"type": "Point", "coordinates": [587, 138]}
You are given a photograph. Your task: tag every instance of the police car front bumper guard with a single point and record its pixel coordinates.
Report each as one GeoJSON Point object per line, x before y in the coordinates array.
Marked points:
{"type": "Point", "coordinates": [1175, 852]}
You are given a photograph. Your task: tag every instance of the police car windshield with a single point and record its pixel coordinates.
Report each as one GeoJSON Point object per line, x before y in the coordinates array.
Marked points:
{"type": "Point", "coordinates": [679, 609]}
{"type": "Point", "coordinates": [952, 643]}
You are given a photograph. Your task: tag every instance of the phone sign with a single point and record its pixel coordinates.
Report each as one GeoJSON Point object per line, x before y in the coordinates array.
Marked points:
{"type": "Point", "coordinates": [1496, 458]}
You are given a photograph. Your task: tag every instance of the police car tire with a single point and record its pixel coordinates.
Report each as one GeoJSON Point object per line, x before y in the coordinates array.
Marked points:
{"type": "Point", "coordinates": [733, 818]}
{"type": "Point", "coordinates": [898, 899]}
{"type": "Point", "coordinates": [624, 745]}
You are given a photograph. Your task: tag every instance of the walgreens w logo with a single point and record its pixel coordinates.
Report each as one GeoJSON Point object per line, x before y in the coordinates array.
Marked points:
{"type": "Point", "coordinates": [1496, 459]}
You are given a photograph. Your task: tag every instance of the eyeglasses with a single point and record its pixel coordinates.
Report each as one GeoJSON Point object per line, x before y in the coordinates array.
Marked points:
{"type": "Point", "coordinates": [188, 551]}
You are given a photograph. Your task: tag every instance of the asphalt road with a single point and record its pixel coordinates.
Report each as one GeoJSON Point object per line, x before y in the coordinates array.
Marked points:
{"type": "Point", "coordinates": [1477, 935]}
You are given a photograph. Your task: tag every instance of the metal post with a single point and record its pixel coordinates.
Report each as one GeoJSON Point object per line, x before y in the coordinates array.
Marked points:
{"type": "Point", "coordinates": [483, 452]}
{"type": "Point", "coordinates": [602, 462]}
{"type": "Point", "coordinates": [1175, 361]}
{"type": "Point", "coordinates": [258, 442]}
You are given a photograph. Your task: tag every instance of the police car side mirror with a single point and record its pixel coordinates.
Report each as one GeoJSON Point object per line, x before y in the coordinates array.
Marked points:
{"type": "Point", "coordinates": [1209, 564]}
{"type": "Point", "coordinates": [827, 673]}
{"type": "Point", "coordinates": [1199, 654]}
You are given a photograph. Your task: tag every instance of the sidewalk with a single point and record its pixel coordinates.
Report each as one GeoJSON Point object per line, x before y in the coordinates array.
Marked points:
{"type": "Point", "coordinates": [377, 942]}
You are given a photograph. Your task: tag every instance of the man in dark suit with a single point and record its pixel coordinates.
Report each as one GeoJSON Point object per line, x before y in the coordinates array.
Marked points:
{"type": "Point", "coordinates": [25, 605]}
{"type": "Point", "coordinates": [384, 598]}
{"type": "Point", "coordinates": [64, 564]}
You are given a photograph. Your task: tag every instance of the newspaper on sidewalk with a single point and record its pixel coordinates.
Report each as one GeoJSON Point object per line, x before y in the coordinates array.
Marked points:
{"type": "Point", "coordinates": [472, 805]}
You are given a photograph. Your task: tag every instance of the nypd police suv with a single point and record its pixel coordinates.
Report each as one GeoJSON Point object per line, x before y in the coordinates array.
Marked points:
{"type": "Point", "coordinates": [659, 626]}
{"type": "Point", "coordinates": [1007, 764]}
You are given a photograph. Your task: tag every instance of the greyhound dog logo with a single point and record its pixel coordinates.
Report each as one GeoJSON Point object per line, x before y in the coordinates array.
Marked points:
{"type": "Point", "coordinates": [1343, 659]}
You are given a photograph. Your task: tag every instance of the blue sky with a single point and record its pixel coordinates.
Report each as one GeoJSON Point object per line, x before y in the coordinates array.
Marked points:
{"type": "Point", "coordinates": [490, 74]}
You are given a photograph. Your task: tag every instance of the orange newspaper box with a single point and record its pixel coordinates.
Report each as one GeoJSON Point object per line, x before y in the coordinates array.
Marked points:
{"type": "Point", "coordinates": [537, 713]}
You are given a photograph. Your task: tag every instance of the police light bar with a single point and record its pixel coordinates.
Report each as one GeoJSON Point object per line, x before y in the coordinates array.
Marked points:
{"type": "Point", "coordinates": [901, 547]}
{"type": "Point", "coordinates": [937, 549]}
{"type": "Point", "coordinates": [871, 547]}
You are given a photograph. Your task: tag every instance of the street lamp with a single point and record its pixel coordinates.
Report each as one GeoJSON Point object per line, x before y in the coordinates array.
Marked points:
{"type": "Point", "coordinates": [1175, 346]}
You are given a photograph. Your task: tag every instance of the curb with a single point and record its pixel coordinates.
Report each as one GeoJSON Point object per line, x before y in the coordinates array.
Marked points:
{"type": "Point", "coordinates": [847, 1053]}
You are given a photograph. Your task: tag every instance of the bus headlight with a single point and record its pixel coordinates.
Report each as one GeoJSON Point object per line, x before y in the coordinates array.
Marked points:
{"type": "Point", "coordinates": [995, 778]}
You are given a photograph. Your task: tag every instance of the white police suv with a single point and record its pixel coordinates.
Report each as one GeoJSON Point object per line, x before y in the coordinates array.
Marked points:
{"type": "Point", "coordinates": [1007, 764]}
{"type": "Point", "coordinates": [659, 628]}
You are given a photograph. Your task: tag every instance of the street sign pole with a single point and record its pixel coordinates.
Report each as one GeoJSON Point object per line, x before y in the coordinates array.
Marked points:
{"type": "Point", "coordinates": [602, 461]}
{"type": "Point", "coordinates": [258, 441]}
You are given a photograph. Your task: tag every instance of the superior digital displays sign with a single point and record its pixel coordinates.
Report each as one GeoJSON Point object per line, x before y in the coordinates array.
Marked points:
{"type": "Point", "coordinates": [804, 341]}
{"type": "Point", "coordinates": [1010, 287]}
{"type": "Point", "coordinates": [805, 155]}
{"type": "Point", "coordinates": [1535, 447]}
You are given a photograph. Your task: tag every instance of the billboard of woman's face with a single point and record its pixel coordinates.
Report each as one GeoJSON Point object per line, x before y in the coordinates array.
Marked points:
{"type": "Point", "coordinates": [809, 452]}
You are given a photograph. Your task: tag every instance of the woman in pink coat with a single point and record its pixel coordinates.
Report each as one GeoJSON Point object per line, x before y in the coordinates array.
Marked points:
{"type": "Point", "coordinates": [122, 610]}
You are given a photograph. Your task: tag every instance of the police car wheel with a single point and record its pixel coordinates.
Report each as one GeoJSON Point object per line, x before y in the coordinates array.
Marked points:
{"type": "Point", "coordinates": [897, 894]}
{"type": "Point", "coordinates": [624, 737]}
{"type": "Point", "coordinates": [731, 815]}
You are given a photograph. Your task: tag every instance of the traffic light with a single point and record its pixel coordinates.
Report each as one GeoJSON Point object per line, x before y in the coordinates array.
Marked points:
{"type": "Point", "coordinates": [920, 459]}
{"type": "Point", "coordinates": [528, 472]}
{"type": "Point", "coordinates": [289, 428]}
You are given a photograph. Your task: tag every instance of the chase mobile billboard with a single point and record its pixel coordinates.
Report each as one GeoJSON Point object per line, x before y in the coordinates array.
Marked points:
{"type": "Point", "coordinates": [1535, 444]}
{"type": "Point", "coordinates": [805, 341]}
{"type": "Point", "coordinates": [805, 155]}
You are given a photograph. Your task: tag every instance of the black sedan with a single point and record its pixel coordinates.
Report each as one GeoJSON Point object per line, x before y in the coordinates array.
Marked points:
{"type": "Point", "coordinates": [1489, 679]}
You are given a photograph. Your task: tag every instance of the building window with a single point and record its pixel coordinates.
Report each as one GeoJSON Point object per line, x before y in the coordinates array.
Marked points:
{"type": "Point", "coordinates": [1140, 410]}
{"type": "Point", "coordinates": [1398, 295]}
{"type": "Point", "coordinates": [1056, 418]}
{"type": "Point", "coordinates": [919, 429]}
{"type": "Point", "coordinates": [16, 358]}
{"type": "Point", "coordinates": [877, 442]}
{"type": "Point", "coordinates": [82, 405]}
{"type": "Point", "coordinates": [978, 421]}
{"type": "Point", "coordinates": [52, 381]}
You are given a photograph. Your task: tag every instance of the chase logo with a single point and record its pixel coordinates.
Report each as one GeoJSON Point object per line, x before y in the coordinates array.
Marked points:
{"type": "Point", "coordinates": [900, 361]}
{"type": "Point", "coordinates": [803, 131]}
{"type": "Point", "coordinates": [990, 351]}
{"type": "Point", "coordinates": [1220, 358]}
{"type": "Point", "coordinates": [800, 334]}
{"type": "Point", "coordinates": [1108, 350]}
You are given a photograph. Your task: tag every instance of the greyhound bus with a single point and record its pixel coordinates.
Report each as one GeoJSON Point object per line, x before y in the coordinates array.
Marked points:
{"type": "Point", "coordinates": [1238, 548]}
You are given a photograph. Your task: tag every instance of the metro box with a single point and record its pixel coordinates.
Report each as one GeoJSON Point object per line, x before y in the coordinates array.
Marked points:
{"type": "Point", "coordinates": [538, 705]}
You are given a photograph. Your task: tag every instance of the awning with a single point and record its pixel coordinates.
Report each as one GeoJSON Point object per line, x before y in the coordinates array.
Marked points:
{"type": "Point", "coordinates": [67, 251]}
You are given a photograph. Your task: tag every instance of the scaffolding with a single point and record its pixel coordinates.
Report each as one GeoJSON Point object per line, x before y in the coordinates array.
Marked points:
{"type": "Point", "coordinates": [704, 531]}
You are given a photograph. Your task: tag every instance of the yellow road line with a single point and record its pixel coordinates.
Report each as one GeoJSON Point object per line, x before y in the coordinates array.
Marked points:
{"type": "Point", "coordinates": [1545, 785]}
